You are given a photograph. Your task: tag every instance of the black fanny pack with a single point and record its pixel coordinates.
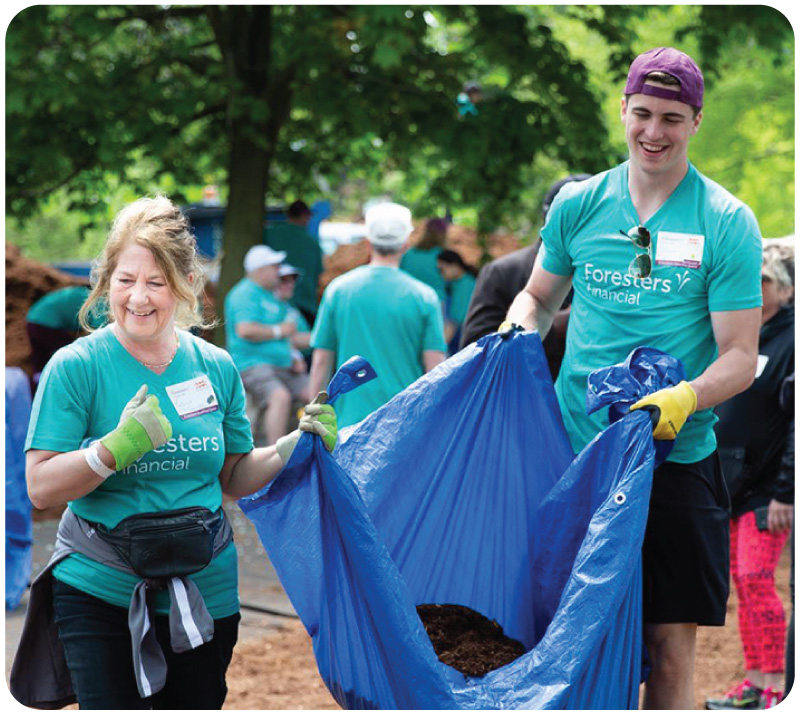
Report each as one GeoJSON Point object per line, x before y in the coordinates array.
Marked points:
{"type": "Point", "coordinates": [166, 544]}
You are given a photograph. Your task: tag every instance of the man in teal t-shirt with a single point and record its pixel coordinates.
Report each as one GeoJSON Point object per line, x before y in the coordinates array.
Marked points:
{"type": "Point", "coordinates": [659, 255]}
{"type": "Point", "coordinates": [381, 313]}
{"type": "Point", "coordinates": [258, 331]}
{"type": "Point", "coordinates": [302, 251]}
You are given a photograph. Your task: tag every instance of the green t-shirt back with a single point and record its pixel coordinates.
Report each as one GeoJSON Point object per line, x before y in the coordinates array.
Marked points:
{"type": "Point", "coordinates": [387, 317]}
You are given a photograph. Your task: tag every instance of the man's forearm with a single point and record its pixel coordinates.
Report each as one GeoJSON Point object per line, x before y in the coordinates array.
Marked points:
{"type": "Point", "coordinates": [321, 370]}
{"type": "Point", "coordinates": [526, 311]}
{"type": "Point", "coordinates": [727, 376]}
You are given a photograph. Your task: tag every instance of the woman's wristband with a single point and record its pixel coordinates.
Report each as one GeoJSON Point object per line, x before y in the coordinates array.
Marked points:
{"type": "Point", "coordinates": [277, 333]}
{"type": "Point", "coordinates": [97, 465]}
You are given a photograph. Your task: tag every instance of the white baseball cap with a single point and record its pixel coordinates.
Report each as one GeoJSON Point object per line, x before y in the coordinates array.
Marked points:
{"type": "Point", "coordinates": [388, 225]}
{"type": "Point", "coordinates": [260, 256]}
{"type": "Point", "coordinates": [287, 270]}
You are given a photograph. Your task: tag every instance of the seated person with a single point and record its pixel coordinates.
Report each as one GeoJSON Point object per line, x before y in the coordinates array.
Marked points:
{"type": "Point", "coordinates": [258, 330]}
{"type": "Point", "coordinates": [289, 277]}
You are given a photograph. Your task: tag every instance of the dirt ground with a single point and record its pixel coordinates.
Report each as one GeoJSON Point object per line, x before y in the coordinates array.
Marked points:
{"type": "Point", "coordinates": [279, 673]}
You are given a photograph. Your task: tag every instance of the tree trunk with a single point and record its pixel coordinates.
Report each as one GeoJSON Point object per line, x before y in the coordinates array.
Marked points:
{"type": "Point", "coordinates": [244, 217]}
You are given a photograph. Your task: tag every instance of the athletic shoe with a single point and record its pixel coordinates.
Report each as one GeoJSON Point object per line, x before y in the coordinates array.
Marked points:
{"type": "Point", "coordinates": [744, 696]}
{"type": "Point", "coordinates": [770, 698]}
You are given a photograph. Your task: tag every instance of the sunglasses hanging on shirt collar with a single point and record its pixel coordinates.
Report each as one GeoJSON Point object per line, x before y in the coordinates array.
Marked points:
{"type": "Point", "coordinates": [642, 264]}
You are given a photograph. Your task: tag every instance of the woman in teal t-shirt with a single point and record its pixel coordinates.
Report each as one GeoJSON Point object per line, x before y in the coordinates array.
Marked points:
{"type": "Point", "coordinates": [459, 278]}
{"type": "Point", "coordinates": [143, 418]}
{"type": "Point", "coordinates": [420, 260]}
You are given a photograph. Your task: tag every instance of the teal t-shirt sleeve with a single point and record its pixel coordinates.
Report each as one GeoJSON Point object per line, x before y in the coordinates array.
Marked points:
{"type": "Point", "coordinates": [59, 414]}
{"type": "Point", "coordinates": [434, 325]}
{"type": "Point", "coordinates": [235, 425]}
{"type": "Point", "coordinates": [734, 281]}
{"type": "Point", "coordinates": [324, 333]}
{"type": "Point", "coordinates": [555, 237]}
{"type": "Point", "coordinates": [243, 308]}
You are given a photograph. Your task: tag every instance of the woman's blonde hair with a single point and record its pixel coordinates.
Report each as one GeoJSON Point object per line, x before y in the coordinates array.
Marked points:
{"type": "Point", "coordinates": [160, 226]}
{"type": "Point", "coordinates": [778, 264]}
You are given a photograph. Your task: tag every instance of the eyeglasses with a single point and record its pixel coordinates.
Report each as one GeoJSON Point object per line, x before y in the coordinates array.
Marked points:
{"type": "Point", "coordinates": [642, 265]}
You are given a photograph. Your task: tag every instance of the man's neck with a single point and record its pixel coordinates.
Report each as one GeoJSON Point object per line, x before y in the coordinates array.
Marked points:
{"type": "Point", "coordinates": [391, 261]}
{"type": "Point", "coordinates": [649, 192]}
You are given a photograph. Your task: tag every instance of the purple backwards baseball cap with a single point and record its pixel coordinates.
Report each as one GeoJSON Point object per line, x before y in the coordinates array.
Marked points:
{"type": "Point", "coordinates": [672, 62]}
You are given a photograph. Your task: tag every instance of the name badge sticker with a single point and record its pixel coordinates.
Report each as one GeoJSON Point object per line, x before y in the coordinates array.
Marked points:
{"type": "Point", "coordinates": [193, 397]}
{"type": "Point", "coordinates": [679, 249]}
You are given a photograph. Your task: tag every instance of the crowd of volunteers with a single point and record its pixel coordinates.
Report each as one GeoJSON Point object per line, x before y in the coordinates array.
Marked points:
{"type": "Point", "coordinates": [140, 426]}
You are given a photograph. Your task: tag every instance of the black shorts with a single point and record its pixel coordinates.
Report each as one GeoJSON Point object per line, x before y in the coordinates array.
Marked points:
{"type": "Point", "coordinates": [686, 551]}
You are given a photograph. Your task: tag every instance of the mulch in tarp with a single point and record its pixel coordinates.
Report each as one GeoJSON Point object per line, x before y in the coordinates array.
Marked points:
{"type": "Point", "coordinates": [467, 640]}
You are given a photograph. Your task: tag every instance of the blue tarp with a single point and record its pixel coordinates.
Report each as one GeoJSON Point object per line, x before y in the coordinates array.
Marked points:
{"type": "Point", "coordinates": [463, 489]}
{"type": "Point", "coordinates": [19, 526]}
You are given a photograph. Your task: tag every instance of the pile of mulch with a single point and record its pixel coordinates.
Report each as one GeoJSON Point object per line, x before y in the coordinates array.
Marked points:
{"type": "Point", "coordinates": [467, 640]}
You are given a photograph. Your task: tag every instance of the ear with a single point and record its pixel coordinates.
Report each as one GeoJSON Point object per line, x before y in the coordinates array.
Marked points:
{"type": "Point", "coordinates": [190, 278]}
{"type": "Point", "coordinates": [696, 123]}
{"type": "Point", "coordinates": [623, 109]}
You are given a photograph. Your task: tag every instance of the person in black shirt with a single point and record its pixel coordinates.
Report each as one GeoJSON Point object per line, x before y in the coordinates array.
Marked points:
{"type": "Point", "coordinates": [756, 440]}
{"type": "Point", "coordinates": [498, 284]}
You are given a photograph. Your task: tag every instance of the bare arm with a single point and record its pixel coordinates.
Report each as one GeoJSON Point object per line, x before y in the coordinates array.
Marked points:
{"type": "Point", "coordinates": [431, 358]}
{"type": "Point", "coordinates": [54, 478]}
{"type": "Point", "coordinates": [322, 363]}
{"type": "Point", "coordinates": [301, 340]}
{"type": "Point", "coordinates": [736, 334]}
{"type": "Point", "coordinates": [536, 305]}
{"type": "Point", "coordinates": [245, 474]}
{"type": "Point", "coordinates": [261, 332]}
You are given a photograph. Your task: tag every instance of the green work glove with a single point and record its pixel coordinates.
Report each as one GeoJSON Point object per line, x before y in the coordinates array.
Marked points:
{"type": "Point", "coordinates": [142, 427]}
{"type": "Point", "coordinates": [318, 418]}
{"type": "Point", "coordinates": [669, 409]}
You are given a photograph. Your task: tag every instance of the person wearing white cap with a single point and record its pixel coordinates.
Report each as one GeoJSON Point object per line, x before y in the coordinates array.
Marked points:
{"type": "Point", "coordinates": [381, 313]}
{"type": "Point", "coordinates": [288, 278]}
{"type": "Point", "coordinates": [258, 331]}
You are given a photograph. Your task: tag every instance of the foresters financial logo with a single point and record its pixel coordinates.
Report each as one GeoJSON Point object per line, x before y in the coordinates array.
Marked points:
{"type": "Point", "coordinates": [179, 451]}
{"type": "Point", "coordinates": [619, 287]}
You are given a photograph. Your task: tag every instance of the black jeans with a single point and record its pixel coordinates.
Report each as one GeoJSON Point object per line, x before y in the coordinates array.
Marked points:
{"type": "Point", "coordinates": [97, 646]}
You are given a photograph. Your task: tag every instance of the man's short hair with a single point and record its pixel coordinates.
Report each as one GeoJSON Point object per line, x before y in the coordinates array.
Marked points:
{"type": "Point", "coordinates": [298, 209]}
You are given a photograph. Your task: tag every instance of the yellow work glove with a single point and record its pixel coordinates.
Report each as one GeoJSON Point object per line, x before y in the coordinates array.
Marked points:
{"type": "Point", "coordinates": [507, 328]}
{"type": "Point", "coordinates": [318, 418]}
{"type": "Point", "coordinates": [669, 409]}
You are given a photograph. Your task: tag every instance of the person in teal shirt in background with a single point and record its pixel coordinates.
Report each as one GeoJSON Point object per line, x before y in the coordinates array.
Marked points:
{"type": "Point", "coordinates": [459, 278]}
{"type": "Point", "coordinates": [302, 251]}
{"type": "Point", "coordinates": [288, 277]}
{"type": "Point", "coordinates": [381, 313]}
{"type": "Point", "coordinates": [420, 260]}
{"type": "Point", "coordinates": [259, 329]}
{"type": "Point", "coordinates": [141, 421]}
{"type": "Point", "coordinates": [52, 322]}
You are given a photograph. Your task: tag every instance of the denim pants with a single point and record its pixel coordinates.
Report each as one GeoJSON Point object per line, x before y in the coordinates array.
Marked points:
{"type": "Point", "coordinates": [97, 647]}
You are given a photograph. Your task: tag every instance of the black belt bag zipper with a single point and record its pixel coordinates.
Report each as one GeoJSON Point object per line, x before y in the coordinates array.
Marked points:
{"type": "Point", "coordinates": [165, 544]}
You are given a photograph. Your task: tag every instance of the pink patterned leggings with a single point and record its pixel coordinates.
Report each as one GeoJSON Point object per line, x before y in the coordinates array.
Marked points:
{"type": "Point", "coordinates": [762, 621]}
